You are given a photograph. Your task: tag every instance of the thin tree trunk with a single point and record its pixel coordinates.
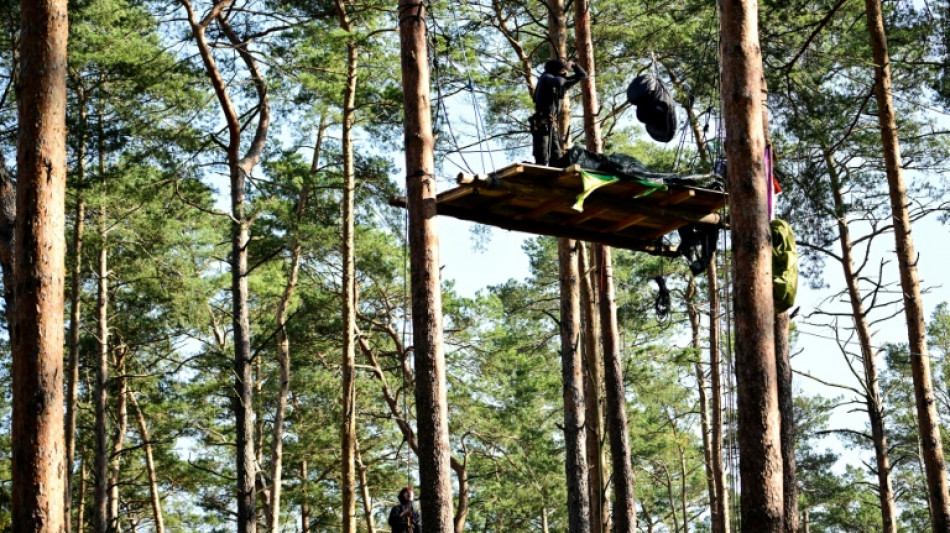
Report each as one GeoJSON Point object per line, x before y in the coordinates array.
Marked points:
{"type": "Point", "coordinates": [75, 305]}
{"type": "Point", "coordinates": [305, 498]}
{"type": "Point", "coordinates": [624, 505]}
{"type": "Point", "coordinates": [544, 520]}
{"type": "Point", "coordinates": [759, 429]}
{"type": "Point", "coordinates": [101, 475]}
{"type": "Point", "coordinates": [578, 500]}
{"type": "Point", "coordinates": [871, 384]}
{"type": "Point", "coordinates": [593, 394]}
{"type": "Point", "coordinates": [910, 282]}
{"type": "Point", "coordinates": [786, 406]}
{"type": "Point", "coordinates": [348, 400]}
{"type": "Point", "coordinates": [81, 500]}
{"type": "Point", "coordinates": [283, 346]}
{"type": "Point", "coordinates": [683, 502]}
{"type": "Point", "coordinates": [692, 310]}
{"type": "Point", "coordinates": [364, 491]}
{"type": "Point", "coordinates": [153, 489]}
{"type": "Point", "coordinates": [430, 390]}
{"type": "Point", "coordinates": [38, 449]}
{"type": "Point", "coordinates": [118, 437]}
{"type": "Point", "coordinates": [721, 514]}
{"type": "Point", "coordinates": [239, 168]}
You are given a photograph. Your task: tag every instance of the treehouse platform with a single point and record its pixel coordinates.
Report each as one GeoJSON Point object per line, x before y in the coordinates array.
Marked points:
{"type": "Point", "coordinates": [580, 204]}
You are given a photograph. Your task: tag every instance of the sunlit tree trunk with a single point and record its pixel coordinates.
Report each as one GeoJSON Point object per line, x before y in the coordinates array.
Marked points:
{"type": "Point", "coordinates": [75, 310]}
{"type": "Point", "coordinates": [239, 167]}
{"type": "Point", "coordinates": [871, 384]}
{"type": "Point", "coordinates": [348, 400]}
{"type": "Point", "coordinates": [430, 391]}
{"type": "Point", "coordinates": [759, 429]}
{"type": "Point", "coordinates": [101, 474]}
{"type": "Point", "coordinates": [38, 450]}
{"type": "Point", "coordinates": [118, 436]}
{"type": "Point", "coordinates": [927, 420]}
{"type": "Point", "coordinates": [692, 311]}
{"type": "Point", "coordinates": [721, 523]}
{"type": "Point", "coordinates": [153, 490]}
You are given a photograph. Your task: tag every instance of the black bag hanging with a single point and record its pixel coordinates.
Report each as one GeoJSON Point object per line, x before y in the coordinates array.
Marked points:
{"type": "Point", "coordinates": [655, 106]}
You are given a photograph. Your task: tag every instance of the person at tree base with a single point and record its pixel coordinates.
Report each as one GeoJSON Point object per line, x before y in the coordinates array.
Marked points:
{"type": "Point", "coordinates": [403, 518]}
{"type": "Point", "coordinates": [548, 94]}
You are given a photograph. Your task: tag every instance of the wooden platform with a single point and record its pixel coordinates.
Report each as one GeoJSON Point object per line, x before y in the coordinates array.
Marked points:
{"type": "Point", "coordinates": [538, 199]}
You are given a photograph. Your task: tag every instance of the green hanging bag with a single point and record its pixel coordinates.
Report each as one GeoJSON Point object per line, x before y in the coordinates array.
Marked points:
{"type": "Point", "coordinates": [784, 266]}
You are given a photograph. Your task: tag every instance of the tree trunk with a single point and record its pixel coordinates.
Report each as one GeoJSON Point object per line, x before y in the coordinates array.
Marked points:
{"type": "Point", "coordinates": [305, 499]}
{"type": "Point", "coordinates": [101, 475]}
{"type": "Point", "coordinates": [239, 168]}
{"type": "Point", "coordinates": [759, 429]}
{"type": "Point", "coordinates": [578, 504]}
{"type": "Point", "coordinates": [593, 394]}
{"type": "Point", "coordinates": [153, 489]}
{"type": "Point", "coordinates": [721, 514]}
{"type": "Point", "coordinates": [81, 499]}
{"type": "Point", "coordinates": [910, 282]}
{"type": "Point", "coordinates": [578, 500]}
{"type": "Point", "coordinates": [786, 407]}
{"type": "Point", "coordinates": [118, 437]}
{"type": "Point", "coordinates": [871, 384]}
{"type": "Point", "coordinates": [348, 400]}
{"type": "Point", "coordinates": [595, 320]}
{"type": "Point", "coordinates": [624, 506]}
{"type": "Point", "coordinates": [75, 307]}
{"type": "Point", "coordinates": [692, 310]}
{"type": "Point", "coordinates": [431, 403]}
{"type": "Point", "coordinates": [38, 450]}
{"type": "Point", "coordinates": [364, 492]}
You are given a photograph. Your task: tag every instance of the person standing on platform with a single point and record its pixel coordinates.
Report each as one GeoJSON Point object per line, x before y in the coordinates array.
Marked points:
{"type": "Point", "coordinates": [548, 94]}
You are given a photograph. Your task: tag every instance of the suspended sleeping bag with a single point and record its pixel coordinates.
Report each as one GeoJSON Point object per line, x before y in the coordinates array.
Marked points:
{"type": "Point", "coordinates": [784, 266]}
{"type": "Point", "coordinates": [655, 106]}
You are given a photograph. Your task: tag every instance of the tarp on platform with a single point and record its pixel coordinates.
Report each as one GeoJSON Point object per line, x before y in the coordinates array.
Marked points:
{"type": "Point", "coordinates": [630, 168]}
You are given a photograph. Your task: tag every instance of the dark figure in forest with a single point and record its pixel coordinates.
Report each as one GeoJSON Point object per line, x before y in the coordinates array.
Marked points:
{"type": "Point", "coordinates": [403, 518]}
{"type": "Point", "coordinates": [551, 88]}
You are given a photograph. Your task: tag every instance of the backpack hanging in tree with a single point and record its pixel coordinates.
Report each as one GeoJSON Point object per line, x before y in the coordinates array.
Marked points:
{"type": "Point", "coordinates": [784, 266]}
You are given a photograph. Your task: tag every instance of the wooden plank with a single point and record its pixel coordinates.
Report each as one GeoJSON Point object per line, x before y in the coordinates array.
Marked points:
{"type": "Point", "coordinates": [679, 196]}
{"type": "Point", "coordinates": [588, 214]}
{"type": "Point", "coordinates": [454, 194]}
{"type": "Point", "coordinates": [540, 211]}
{"type": "Point", "coordinates": [556, 230]}
{"type": "Point", "coordinates": [626, 223]}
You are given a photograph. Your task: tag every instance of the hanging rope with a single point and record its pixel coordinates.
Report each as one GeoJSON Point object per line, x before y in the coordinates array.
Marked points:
{"type": "Point", "coordinates": [405, 324]}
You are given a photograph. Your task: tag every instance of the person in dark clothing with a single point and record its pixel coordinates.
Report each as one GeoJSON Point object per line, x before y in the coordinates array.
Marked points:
{"type": "Point", "coordinates": [550, 90]}
{"type": "Point", "coordinates": [403, 518]}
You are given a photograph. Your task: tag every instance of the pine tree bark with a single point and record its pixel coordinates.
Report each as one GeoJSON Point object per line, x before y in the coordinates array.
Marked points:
{"type": "Point", "coordinates": [305, 498]}
{"type": "Point", "coordinates": [430, 392]}
{"type": "Point", "coordinates": [153, 490]}
{"type": "Point", "coordinates": [38, 452]}
{"type": "Point", "coordinates": [758, 415]}
{"type": "Point", "coordinates": [239, 167]}
{"type": "Point", "coordinates": [348, 399]}
{"type": "Point", "coordinates": [692, 311]}
{"type": "Point", "coordinates": [910, 282]}
{"type": "Point", "coordinates": [722, 523]}
{"type": "Point", "coordinates": [786, 406]}
{"type": "Point", "coordinates": [871, 385]}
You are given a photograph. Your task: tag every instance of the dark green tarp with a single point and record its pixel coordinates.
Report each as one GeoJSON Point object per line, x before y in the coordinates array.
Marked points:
{"type": "Point", "coordinates": [632, 169]}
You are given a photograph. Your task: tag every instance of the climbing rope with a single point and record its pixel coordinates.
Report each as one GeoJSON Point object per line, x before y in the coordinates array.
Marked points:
{"type": "Point", "coordinates": [405, 324]}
